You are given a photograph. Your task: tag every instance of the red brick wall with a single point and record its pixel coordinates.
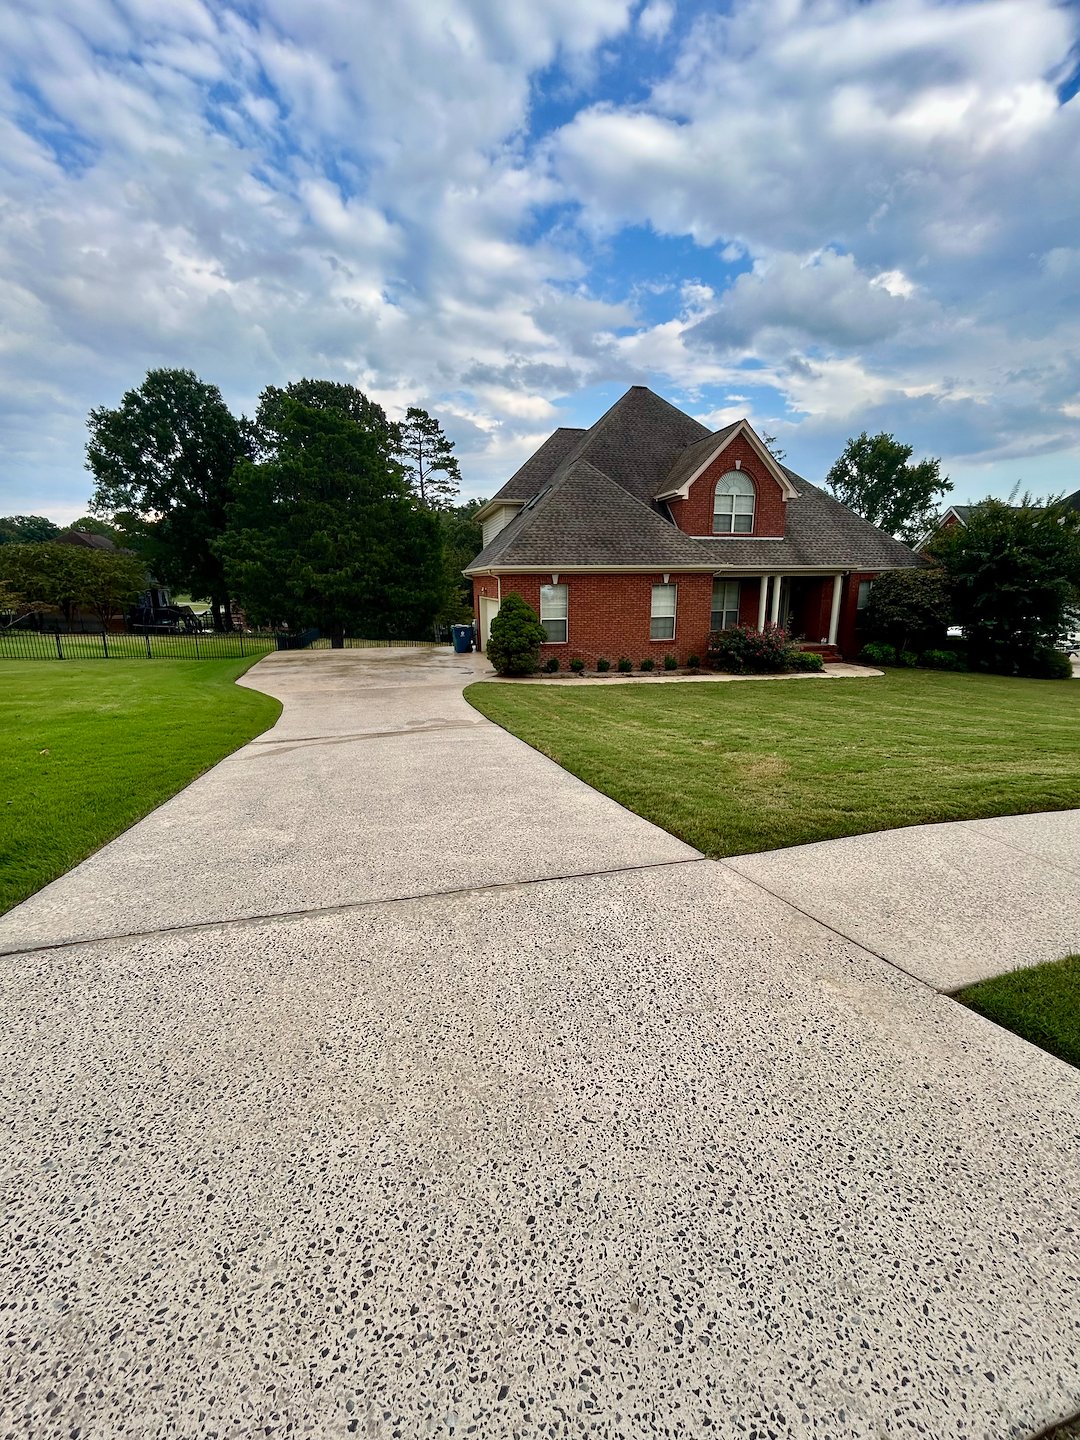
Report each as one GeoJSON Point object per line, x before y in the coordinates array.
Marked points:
{"type": "Point", "coordinates": [694, 514]}
{"type": "Point", "coordinates": [848, 641]}
{"type": "Point", "coordinates": [608, 615]}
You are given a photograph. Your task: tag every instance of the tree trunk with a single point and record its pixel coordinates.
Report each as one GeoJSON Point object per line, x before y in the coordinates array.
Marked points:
{"type": "Point", "coordinates": [337, 637]}
{"type": "Point", "coordinates": [215, 612]}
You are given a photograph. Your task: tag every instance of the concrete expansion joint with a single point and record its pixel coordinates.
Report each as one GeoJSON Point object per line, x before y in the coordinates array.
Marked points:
{"type": "Point", "coordinates": [840, 934]}
{"type": "Point", "coordinates": [1048, 860]}
{"type": "Point", "coordinates": [436, 728]}
{"type": "Point", "coordinates": [344, 908]}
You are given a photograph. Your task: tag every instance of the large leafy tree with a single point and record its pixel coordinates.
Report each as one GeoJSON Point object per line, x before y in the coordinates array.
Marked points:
{"type": "Point", "coordinates": [463, 539]}
{"type": "Point", "coordinates": [66, 578]}
{"type": "Point", "coordinates": [909, 608]}
{"type": "Point", "coordinates": [874, 478]}
{"type": "Point", "coordinates": [323, 530]}
{"type": "Point", "coordinates": [26, 529]}
{"type": "Point", "coordinates": [428, 459]}
{"type": "Point", "coordinates": [1014, 579]}
{"type": "Point", "coordinates": [163, 462]}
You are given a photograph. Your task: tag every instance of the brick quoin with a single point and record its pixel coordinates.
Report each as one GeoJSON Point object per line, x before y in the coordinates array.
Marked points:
{"type": "Point", "coordinates": [694, 514]}
{"type": "Point", "coordinates": [608, 615]}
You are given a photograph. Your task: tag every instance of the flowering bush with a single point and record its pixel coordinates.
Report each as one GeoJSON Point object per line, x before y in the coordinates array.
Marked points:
{"type": "Point", "coordinates": [745, 650]}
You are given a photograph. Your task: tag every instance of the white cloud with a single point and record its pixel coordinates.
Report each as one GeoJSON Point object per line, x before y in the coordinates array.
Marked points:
{"type": "Point", "coordinates": [655, 19]}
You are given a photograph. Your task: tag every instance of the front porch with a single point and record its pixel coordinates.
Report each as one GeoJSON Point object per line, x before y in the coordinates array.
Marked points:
{"type": "Point", "coordinates": [809, 607]}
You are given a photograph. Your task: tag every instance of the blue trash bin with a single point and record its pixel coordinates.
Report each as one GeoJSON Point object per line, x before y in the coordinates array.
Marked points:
{"type": "Point", "coordinates": [463, 638]}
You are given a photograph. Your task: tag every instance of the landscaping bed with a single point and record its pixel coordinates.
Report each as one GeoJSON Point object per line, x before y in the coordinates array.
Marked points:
{"type": "Point", "coordinates": [92, 746]}
{"type": "Point", "coordinates": [732, 769]}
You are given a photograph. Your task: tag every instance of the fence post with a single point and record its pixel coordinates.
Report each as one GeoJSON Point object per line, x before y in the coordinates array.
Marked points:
{"type": "Point", "coordinates": [196, 645]}
{"type": "Point", "coordinates": [149, 655]}
{"type": "Point", "coordinates": [104, 642]}
{"type": "Point", "coordinates": [59, 651]}
{"type": "Point", "coordinates": [241, 642]}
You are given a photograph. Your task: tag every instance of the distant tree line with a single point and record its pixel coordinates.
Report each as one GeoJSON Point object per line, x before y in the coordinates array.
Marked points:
{"type": "Point", "coordinates": [320, 511]}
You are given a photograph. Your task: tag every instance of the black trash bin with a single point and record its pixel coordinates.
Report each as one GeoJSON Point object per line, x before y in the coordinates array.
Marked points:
{"type": "Point", "coordinates": [463, 638]}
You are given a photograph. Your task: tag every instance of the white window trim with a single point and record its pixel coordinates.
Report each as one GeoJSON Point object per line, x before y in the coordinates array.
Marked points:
{"type": "Point", "coordinates": [673, 617]}
{"type": "Point", "coordinates": [733, 495]}
{"type": "Point", "coordinates": [564, 618]}
{"type": "Point", "coordinates": [723, 580]}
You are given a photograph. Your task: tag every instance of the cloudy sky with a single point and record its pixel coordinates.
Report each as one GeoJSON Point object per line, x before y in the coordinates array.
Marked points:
{"type": "Point", "coordinates": [828, 215]}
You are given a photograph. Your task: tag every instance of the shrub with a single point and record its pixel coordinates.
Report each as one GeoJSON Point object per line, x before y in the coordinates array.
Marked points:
{"type": "Point", "coordinates": [942, 660]}
{"type": "Point", "coordinates": [577, 665]}
{"type": "Point", "coordinates": [808, 660]}
{"type": "Point", "coordinates": [1048, 664]}
{"type": "Point", "coordinates": [694, 662]}
{"type": "Point", "coordinates": [625, 665]}
{"type": "Point", "coordinates": [907, 659]}
{"type": "Point", "coordinates": [551, 664]}
{"type": "Point", "coordinates": [603, 665]}
{"type": "Point", "coordinates": [516, 637]}
{"type": "Point", "coordinates": [878, 653]}
{"type": "Point", "coordinates": [670, 661]}
{"type": "Point", "coordinates": [647, 664]}
{"type": "Point", "coordinates": [743, 649]}
{"type": "Point", "coordinates": [909, 607]}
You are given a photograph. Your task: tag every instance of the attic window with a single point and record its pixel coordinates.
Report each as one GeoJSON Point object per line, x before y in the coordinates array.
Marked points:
{"type": "Point", "coordinates": [733, 504]}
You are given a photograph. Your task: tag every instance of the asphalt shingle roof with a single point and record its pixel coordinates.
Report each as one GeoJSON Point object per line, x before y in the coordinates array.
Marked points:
{"type": "Point", "coordinates": [585, 518]}
{"type": "Point", "coordinates": [592, 504]}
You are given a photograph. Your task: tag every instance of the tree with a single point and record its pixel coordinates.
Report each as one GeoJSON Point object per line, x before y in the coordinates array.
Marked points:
{"type": "Point", "coordinates": [909, 609]}
{"type": "Point", "coordinates": [769, 441]}
{"type": "Point", "coordinates": [427, 456]}
{"type": "Point", "coordinates": [873, 478]}
{"type": "Point", "coordinates": [462, 540]}
{"type": "Point", "coordinates": [1014, 578]}
{"type": "Point", "coordinates": [323, 530]}
{"type": "Point", "coordinates": [515, 638]}
{"type": "Point", "coordinates": [163, 461]}
{"type": "Point", "coordinates": [65, 577]}
{"type": "Point", "coordinates": [26, 529]}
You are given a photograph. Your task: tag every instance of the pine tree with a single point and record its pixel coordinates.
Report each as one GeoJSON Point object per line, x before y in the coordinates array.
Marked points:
{"type": "Point", "coordinates": [427, 456]}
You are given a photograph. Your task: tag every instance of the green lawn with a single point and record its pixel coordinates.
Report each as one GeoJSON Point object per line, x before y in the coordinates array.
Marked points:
{"type": "Point", "coordinates": [758, 765]}
{"type": "Point", "coordinates": [90, 746]}
{"type": "Point", "coordinates": [1041, 1004]}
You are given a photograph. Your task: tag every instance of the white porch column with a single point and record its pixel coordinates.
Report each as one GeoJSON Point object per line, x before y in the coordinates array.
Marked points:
{"type": "Point", "coordinates": [834, 618]}
{"type": "Point", "coordinates": [774, 608]}
{"type": "Point", "coordinates": [762, 597]}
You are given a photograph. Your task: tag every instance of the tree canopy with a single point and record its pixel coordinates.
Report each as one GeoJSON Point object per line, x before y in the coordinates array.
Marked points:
{"type": "Point", "coordinates": [26, 529]}
{"type": "Point", "coordinates": [163, 462]}
{"type": "Point", "coordinates": [462, 540]}
{"type": "Point", "coordinates": [428, 459]}
{"type": "Point", "coordinates": [516, 636]}
{"type": "Point", "coordinates": [1014, 579]}
{"type": "Point", "coordinates": [50, 575]}
{"type": "Point", "coordinates": [322, 529]}
{"type": "Point", "coordinates": [873, 477]}
{"type": "Point", "coordinates": [909, 608]}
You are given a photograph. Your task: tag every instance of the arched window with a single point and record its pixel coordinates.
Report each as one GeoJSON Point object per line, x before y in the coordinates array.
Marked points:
{"type": "Point", "coordinates": [733, 504]}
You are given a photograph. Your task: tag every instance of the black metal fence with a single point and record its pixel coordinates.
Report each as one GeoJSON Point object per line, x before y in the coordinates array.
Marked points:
{"type": "Point", "coordinates": [19, 644]}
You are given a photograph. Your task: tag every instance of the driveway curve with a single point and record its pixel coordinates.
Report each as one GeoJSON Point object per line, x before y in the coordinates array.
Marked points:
{"type": "Point", "coordinates": [477, 1106]}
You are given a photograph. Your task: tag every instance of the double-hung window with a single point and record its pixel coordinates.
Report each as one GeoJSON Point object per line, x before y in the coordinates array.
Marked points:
{"type": "Point", "coordinates": [733, 504]}
{"type": "Point", "coordinates": [662, 615]}
{"type": "Point", "coordinates": [725, 604]}
{"type": "Point", "coordinates": [553, 612]}
{"type": "Point", "coordinates": [864, 594]}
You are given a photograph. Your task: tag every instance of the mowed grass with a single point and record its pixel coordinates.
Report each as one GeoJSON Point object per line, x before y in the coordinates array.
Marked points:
{"type": "Point", "coordinates": [89, 747]}
{"type": "Point", "coordinates": [1041, 1004]}
{"type": "Point", "coordinates": [758, 765]}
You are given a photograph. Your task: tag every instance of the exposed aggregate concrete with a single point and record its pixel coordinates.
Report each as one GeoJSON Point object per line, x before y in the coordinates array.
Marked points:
{"type": "Point", "coordinates": [627, 1155]}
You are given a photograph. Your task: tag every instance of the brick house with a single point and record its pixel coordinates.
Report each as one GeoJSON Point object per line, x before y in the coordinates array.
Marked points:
{"type": "Point", "coordinates": [641, 535]}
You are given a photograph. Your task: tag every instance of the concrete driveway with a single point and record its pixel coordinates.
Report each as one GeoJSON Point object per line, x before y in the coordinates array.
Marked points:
{"type": "Point", "coordinates": [445, 1097]}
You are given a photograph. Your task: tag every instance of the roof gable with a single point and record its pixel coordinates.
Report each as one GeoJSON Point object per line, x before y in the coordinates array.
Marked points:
{"type": "Point", "coordinates": [696, 459]}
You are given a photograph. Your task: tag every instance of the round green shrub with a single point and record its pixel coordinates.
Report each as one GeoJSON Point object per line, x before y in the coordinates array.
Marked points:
{"type": "Point", "coordinates": [603, 665]}
{"type": "Point", "coordinates": [577, 665]}
{"type": "Point", "coordinates": [878, 653]}
{"type": "Point", "coordinates": [625, 665]}
{"type": "Point", "coordinates": [516, 637]}
{"type": "Point", "coordinates": [647, 664]}
{"type": "Point", "coordinates": [551, 664]}
{"type": "Point", "coordinates": [745, 650]}
{"type": "Point", "coordinates": [670, 661]}
{"type": "Point", "coordinates": [694, 662]}
{"type": "Point", "coordinates": [808, 660]}
{"type": "Point", "coordinates": [1048, 664]}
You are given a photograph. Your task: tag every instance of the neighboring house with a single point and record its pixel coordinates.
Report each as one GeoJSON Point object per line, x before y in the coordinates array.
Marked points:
{"type": "Point", "coordinates": [86, 539]}
{"type": "Point", "coordinates": [961, 514]}
{"type": "Point", "coordinates": [641, 535]}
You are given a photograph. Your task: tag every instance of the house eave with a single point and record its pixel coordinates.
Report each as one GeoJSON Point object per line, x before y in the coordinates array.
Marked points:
{"type": "Point", "coordinates": [493, 505]}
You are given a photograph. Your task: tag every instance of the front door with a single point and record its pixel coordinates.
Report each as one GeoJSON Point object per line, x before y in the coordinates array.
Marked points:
{"type": "Point", "coordinates": [489, 608]}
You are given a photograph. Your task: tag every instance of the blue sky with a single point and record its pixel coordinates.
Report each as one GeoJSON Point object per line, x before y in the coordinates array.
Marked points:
{"type": "Point", "coordinates": [828, 215]}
